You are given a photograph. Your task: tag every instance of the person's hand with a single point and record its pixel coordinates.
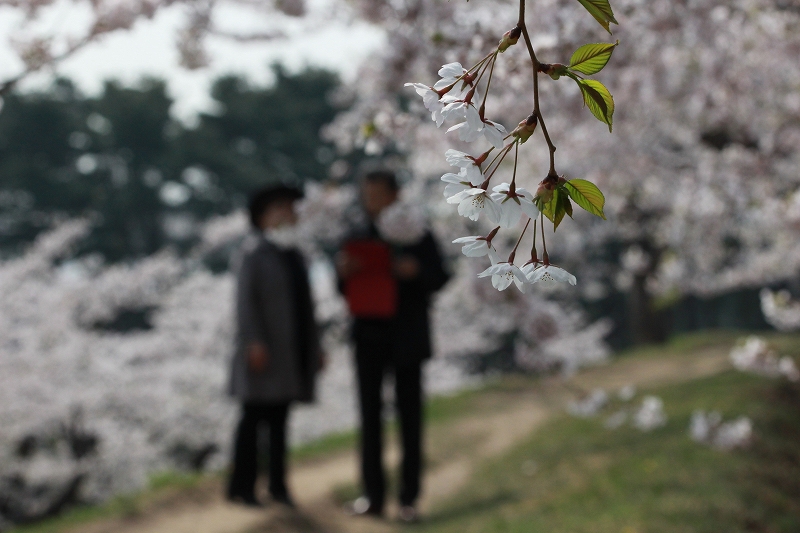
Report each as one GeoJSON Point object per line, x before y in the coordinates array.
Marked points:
{"type": "Point", "coordinates": [406, 267]}
{"type": "Point", "coordinates": [257, 357]}
{"type": "Point", "coordinates": [346, 265]}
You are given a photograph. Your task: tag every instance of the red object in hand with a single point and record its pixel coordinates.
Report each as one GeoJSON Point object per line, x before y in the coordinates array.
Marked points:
{"type": "Point", "coordinates": [371, 292]}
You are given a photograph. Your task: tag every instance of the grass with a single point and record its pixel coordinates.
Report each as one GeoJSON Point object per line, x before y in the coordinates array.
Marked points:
{"type": "Point", "coordinates": [162, 485]}
{"type": "Point", "coordinates": [573, 475]}
{"type": "Point", "coordinates": [576, 476]}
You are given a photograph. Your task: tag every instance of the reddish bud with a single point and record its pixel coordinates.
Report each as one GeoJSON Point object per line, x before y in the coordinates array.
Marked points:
{"type": "Point", "coordinates": [509, 39]}
{"type": "Point", "coordinates": [543, 194]}
{"type": "Point", "coordinates": [555, 70]}
{"type": "Point", "coordinates": [545, 191]}
{"type": "Point", "coordinates": [525, 128]}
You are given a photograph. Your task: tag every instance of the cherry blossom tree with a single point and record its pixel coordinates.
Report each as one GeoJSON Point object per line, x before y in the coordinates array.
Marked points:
{"type": "Point", "coordinates": [700, 173]}
{"type": "Point", "coordinates": [38, 47]}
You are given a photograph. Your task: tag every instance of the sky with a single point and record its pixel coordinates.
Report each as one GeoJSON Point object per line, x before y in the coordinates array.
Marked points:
{"type": "Point", "coordinates": [148, 49]}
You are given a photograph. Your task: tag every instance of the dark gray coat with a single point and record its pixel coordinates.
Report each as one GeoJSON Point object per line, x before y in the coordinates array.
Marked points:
{"type": "Point", "coordinates": [267, 311]}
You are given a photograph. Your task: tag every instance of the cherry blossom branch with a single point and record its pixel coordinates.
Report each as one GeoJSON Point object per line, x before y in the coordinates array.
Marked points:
{"type": "Point", "coordinates": [536, 110]}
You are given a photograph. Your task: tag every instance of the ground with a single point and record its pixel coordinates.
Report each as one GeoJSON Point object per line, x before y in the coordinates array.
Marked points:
{"type": "Point", "coordinates": [507, 458]}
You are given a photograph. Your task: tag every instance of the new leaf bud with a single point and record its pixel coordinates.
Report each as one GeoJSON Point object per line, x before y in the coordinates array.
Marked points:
{"type": "Point", "coordinates": [545, 191]}
{"type": "Point", "coordinates": [555, 70]}
{"type": "Point", "coordinates": [509, 39]}
{"type": "Point", "coordinates": [525, 128]}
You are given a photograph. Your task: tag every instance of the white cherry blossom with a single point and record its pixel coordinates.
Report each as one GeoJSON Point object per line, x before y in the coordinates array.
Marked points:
{"type": "Point", "coordinates": [450, 74]}
{"type": "Point", "coordinates": [503, 274]}
{"type": "Point", "coordinates": [473, 128]}
{"type": "Point", "coordinates": [471, 202]}
{"type": "Point", "coordinates": [512, 206]}
{"type": "Point", "coordinates": [461, 109]}
{"type": "Point", "coordinates": [494, 133]}
{"type": "Point", "coordinates": [430, 98]}
{"type": "Point", "coordinates": [475, 246]}
{"type": "Point", "coordinates": [456, 183]}
{"type": "Point", "coordinates": [466, 162]}
{"type": "Point", "coordinates": [551, 274]}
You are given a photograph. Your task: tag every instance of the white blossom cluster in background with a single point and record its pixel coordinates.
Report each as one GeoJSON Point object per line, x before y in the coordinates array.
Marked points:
{"type": "Point", "coordinates": [40, 40]}
{"type": "Point", "coordinates": [82, 403]}
{"type": "Point", "coordinates": [701, 174]}
{"type": "Point", "coordinates": [470, 318]}
{"type": "Point", "coordinates": [780, 310]}
{"type": "Point", "coordinates": [708, 428]}
{"type": "Point", "coordinates": [589, 405]}
{"type": "Point", "coordinates": [648, 416]}
{"type": "Point", "coordinates": [755, 355]}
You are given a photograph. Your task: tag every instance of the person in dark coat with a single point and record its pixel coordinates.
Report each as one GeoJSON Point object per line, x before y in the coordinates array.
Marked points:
{"type": "Point", "coordinates": [398, 344]}
{"type": "Point", "coordinates": [277, 352]}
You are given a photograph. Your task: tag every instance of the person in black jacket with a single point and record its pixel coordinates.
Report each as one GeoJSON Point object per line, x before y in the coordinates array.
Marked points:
{"type": "Point", "coordinates": [398, 344]}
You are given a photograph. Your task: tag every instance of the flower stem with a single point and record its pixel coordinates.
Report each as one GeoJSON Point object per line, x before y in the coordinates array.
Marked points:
{"type": "Point", "coordinates": [514, 251]}
{"type": "Point", "coordinates": [545, 257]}
{"type": "Point", "coordinates": [501, 155]}
{"type": "Point", "coordinates": [513, 187]}
{"type": "Point", "coordinates": [488, 84]}
{"type": "Point", "coordinates": [534, 258]}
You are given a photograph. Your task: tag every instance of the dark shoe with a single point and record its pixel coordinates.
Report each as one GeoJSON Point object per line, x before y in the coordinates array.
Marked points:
{"type": "Point", "coordinates": [284, 499]}
{"type": "Point", "coordinates": [247, 500]}
{"type": "Point", "coordinates": [408, 514]}
{"type": "Point", "coordinates": [362, 507]}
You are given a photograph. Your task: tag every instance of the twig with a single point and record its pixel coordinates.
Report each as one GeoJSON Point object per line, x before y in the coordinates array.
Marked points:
{"type": "Point", "coordinates": [551, 147]}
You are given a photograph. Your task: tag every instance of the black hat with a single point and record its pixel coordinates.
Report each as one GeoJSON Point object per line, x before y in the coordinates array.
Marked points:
{"type": "Point", "coordinates": [263, 198]}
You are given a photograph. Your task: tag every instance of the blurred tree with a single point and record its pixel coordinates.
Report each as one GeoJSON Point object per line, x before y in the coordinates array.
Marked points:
{"type": "Point", "coordinates": [144, 178]}
{"type": "Point", "coordinates": [262, 135]}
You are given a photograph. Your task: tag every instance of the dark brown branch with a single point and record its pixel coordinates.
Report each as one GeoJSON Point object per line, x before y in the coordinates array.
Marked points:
{"type": "Point", "coordinates": [536, 110]}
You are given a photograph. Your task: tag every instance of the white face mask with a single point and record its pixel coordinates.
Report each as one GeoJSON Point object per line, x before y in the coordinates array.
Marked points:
{"type": "Point", "coordinates": [287, 236]}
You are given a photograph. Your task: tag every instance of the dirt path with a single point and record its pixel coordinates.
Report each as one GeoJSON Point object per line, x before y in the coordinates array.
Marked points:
{"type": "Point", "coordinates": [501, 420]}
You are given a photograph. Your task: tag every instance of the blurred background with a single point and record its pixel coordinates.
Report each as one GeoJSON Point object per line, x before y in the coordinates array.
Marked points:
{"type": "Point", "coordinates": [132, 132]}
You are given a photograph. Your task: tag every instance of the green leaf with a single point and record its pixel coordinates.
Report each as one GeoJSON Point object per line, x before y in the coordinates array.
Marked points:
{"type": "Point", "coordinates": [587, 195]}
{"type": "Point", "coordinates": [557, 207]}
{"type": "Point", "coordinates": [598, 100]}
{"type": "Point", "coordinates": [549, 208]}
{"type": "Point", "coordinates": [601, 11]}
{"type": "Point", "coordinates": [591, 58]}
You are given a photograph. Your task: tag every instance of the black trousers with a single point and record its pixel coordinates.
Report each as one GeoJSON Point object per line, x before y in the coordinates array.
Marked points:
{"type": "Point", "coordinates": [373, 362]}
{"type": "Point", "coordinates": [245, 455]}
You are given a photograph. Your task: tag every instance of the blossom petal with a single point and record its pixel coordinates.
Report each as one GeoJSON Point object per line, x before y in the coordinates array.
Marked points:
{"type": "Point", "coordinates": [471, 238]}
{"type": "Point", "coordinates": [551, 274]}
{"type": "Point", "coordinates": [510, 212]}
{"type": "Point", "coordinates": [451, 70]}
{"type": "Point", "coordinates": [474, 246]}
{"type": "Point", "coordinates": [474, 119]}
{"type": "Point", "coordinates": [453, 189]}
{"type": "Point", "coordinates": [452, 178]}
{"type": "Point", "coordinates": [464, 132]}
{"type": "Point", "coordinates": [493, 135]}
{"type": "Point", "coordinates": [502, 282]}
{"type": "Point", "coordinates": [492, 270]}
{"type": "Point", "coordinates": [476, 249]}
{"type": "Point", "coordinates": [456, 158]}
{"type": "Point", "coordinates": [492, 210]}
